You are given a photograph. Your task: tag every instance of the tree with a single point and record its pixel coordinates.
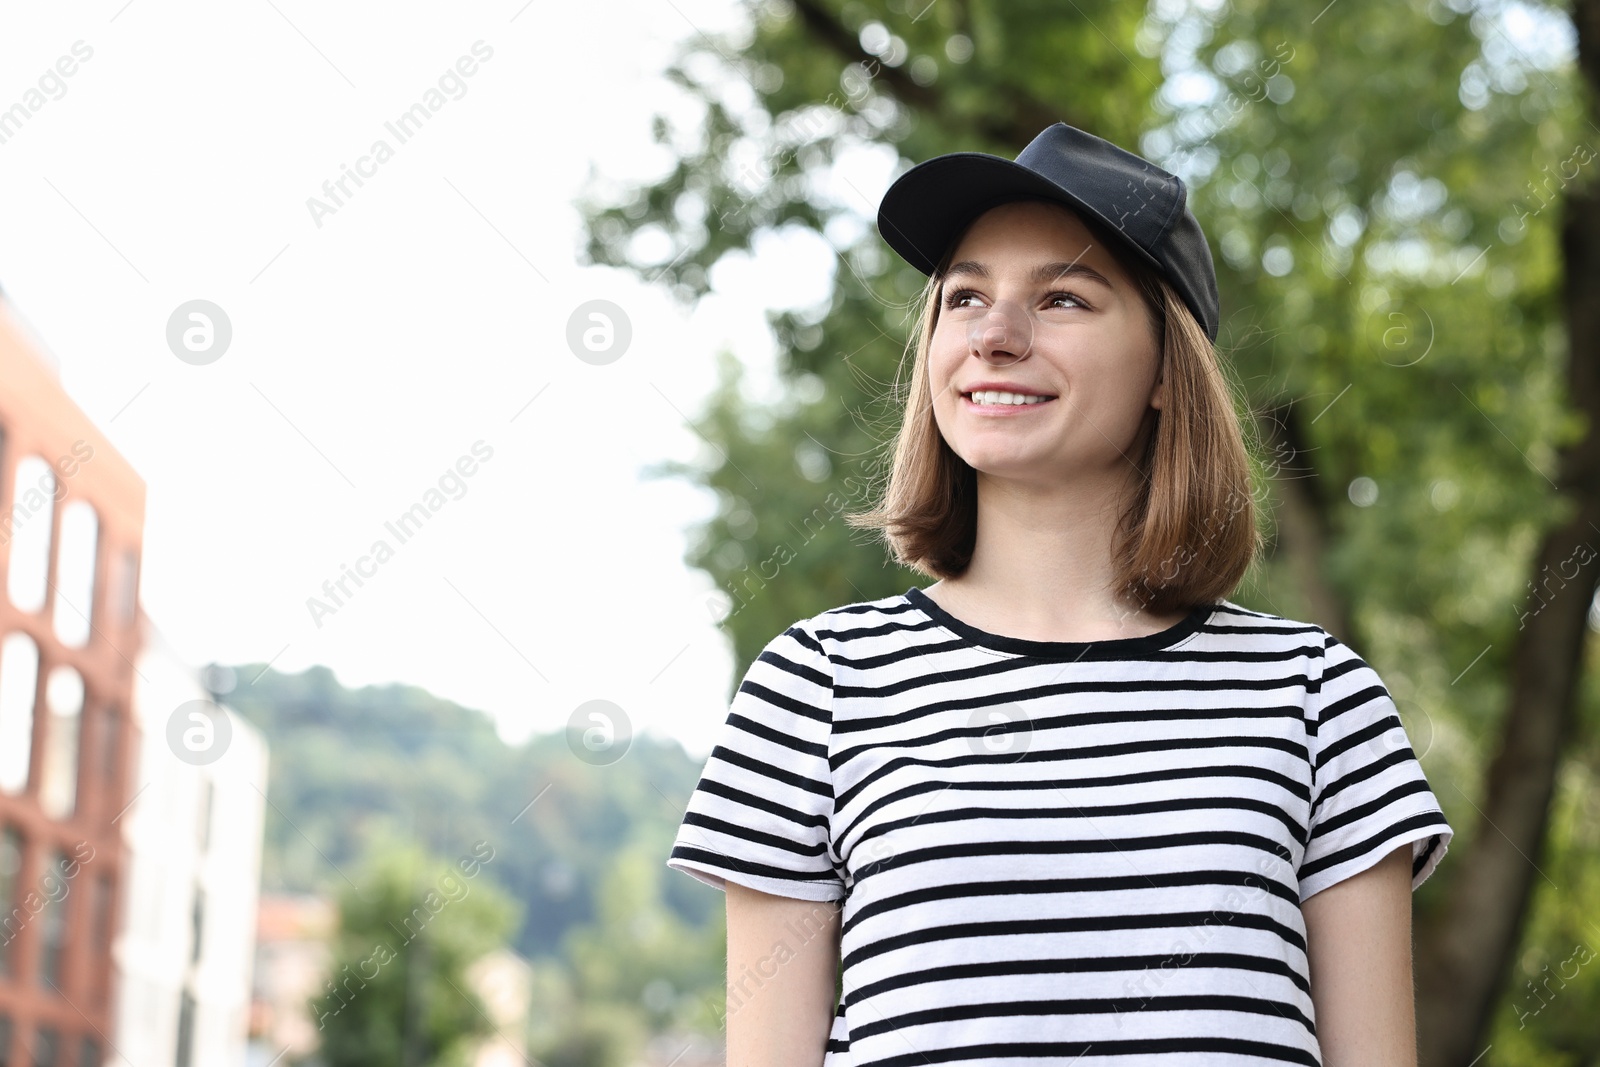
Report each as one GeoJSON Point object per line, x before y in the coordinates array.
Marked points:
{"type": "Point", "coordinates": [355, 765]}
{"type": "Point", "coordinates": [398, 995]}
{"type": "Point", "coordinates": [1410, 321]}
{"type": "Point", "coordinates": [637, 968]}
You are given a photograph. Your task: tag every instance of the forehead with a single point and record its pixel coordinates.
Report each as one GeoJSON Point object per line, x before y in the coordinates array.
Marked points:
{"type": "Point", "coordinates": [1024, 232]}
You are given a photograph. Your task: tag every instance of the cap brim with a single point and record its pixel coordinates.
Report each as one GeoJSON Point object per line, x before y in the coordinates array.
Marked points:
{"type": "Point", "coordinates": [927, 207]}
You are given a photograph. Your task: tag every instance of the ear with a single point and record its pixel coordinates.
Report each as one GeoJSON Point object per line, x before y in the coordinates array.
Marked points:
{"type": "Point", "coordinates": [1158, 395]}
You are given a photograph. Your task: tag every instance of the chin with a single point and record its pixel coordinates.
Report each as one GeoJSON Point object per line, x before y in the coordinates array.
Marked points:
{"type": "Point", "coordinates": [1008, 465]}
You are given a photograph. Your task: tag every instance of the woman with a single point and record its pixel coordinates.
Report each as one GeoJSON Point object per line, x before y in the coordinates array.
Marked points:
{"type": "Point", "coordinates": [1068, 804]}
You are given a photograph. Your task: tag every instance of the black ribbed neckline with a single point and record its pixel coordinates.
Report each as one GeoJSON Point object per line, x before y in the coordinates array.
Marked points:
{"type": "Point", "coordinates": [1113, 648]}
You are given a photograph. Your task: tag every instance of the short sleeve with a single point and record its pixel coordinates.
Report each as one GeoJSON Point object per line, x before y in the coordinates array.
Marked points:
{"type": "Point", "coordinates": [1369, 795]}
{"type": "Point", "coordinates": [762, 811]}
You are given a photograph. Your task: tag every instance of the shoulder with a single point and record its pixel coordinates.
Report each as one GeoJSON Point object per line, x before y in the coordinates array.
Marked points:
{"type": "Point", "coordinates": [1337, 679]}
{"type": "Point", "coordinates": [809, 645]}
{"type": "Point", "coordinates": [837, 636]}
{"type": "Point", "coordinates": [1306, 651]}
{"type": "Point", "coordinates": [1228, 615]}
{"type": "Point", "coordinates": [1330, 658]}
{"type": "Point", "coordinates": [858, 619]}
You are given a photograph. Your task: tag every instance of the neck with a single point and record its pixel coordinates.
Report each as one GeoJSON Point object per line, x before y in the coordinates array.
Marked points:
{"type": "Point", "coordinates": [1041, 564]}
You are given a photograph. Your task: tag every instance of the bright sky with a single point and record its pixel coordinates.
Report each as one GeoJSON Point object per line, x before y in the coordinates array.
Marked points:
{"type": "Point", "coordinates": [425, 318]}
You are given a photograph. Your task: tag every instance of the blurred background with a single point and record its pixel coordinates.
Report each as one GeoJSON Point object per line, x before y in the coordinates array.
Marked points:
{"type": "Point", "coordinates": [414, 419]}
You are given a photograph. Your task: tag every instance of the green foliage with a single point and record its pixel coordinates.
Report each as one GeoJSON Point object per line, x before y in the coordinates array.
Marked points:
{"type": "Point", "coordinates": [599, 1035]}
{"type": "Point", "coordinates": [408, 931]}
{"type": "Point", "coordinates": [639, 952]}
{"type": "Point", "coordinates": [1405, 357]}
{"type": "Point", "coordinates": [352, 766]}
{"type": "Point", "coordinates": [620, 945]}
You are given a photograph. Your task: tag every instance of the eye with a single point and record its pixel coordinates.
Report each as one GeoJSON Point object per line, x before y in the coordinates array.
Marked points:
{"type": "Point", "coordinates": [954, 299]}
{"type": "Point", "coordinates": [1062, 294]}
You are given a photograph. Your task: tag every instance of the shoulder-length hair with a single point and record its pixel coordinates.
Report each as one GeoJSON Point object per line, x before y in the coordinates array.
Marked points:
{"type": "Point", "coordinates": [1189, 532]}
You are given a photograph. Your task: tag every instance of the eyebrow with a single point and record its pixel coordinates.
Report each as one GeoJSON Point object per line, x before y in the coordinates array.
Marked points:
{"type": "Point", "coordinates": [1046, 272]}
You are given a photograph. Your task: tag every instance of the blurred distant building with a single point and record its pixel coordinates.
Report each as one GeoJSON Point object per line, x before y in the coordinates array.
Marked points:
{"type": "Point", "coordinates": [71, 523]}
{"type": "Point", "coordinates": [128, 876]}
{"type": "Point", "coordinates": [504, 982]}
{"type": "Point", "coordinates": [292, 963]}
{"type": "Point", "coordinates": [683, 1050]}
{"type": "Point", "coordinates": [194, 836]}
{"type": "Point", "coordinates": [293, 960]}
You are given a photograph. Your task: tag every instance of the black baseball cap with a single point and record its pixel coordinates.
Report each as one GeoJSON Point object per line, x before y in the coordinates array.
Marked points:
{"type": "Point", "coordinates": [928, 207]}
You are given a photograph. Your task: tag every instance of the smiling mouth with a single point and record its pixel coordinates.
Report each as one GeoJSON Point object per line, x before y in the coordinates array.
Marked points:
{"type": "Point", "coordinates": [997, 398]}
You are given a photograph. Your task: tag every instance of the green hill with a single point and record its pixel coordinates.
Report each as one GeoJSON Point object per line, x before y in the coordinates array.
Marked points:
{"type": "Point", "coordinates": [353, 766]}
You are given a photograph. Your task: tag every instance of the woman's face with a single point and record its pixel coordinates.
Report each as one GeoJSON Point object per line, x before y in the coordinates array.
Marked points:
{"type": "Point", "coordinates": [1034, 305]}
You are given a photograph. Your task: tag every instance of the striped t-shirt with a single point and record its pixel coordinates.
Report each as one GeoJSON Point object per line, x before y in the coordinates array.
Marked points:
{"type": "Point", "coordinates": [1059, 852]}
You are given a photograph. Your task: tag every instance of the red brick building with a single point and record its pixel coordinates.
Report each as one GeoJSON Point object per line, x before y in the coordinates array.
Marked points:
{"type": "Point", "coordinates": [71, 523]}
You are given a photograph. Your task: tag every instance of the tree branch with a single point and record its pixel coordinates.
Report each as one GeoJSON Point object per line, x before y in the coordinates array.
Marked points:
{"type": "Point", "coordinates": [1017, 122]}
{"type": "Point", "coordinates": [1304, 529]}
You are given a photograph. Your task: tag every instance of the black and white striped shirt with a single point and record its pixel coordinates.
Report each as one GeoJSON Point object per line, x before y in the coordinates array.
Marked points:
{"type": "Point", "coordinates": [1054, 852]}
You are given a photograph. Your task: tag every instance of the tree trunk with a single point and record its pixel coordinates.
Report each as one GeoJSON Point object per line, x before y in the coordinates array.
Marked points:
{"type": "Point", "coordinates": [1466, 950]}
{"type": "Point", "coordinates": [1303, 524]}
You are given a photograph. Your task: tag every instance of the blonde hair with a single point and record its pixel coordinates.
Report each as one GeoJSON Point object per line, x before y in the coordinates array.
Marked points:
{"type": "Point", "coordinates": [1189, 533]}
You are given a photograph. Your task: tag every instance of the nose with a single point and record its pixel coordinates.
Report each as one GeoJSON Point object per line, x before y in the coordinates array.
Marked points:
{"type": "Point", "coordinates": [1003, 335]}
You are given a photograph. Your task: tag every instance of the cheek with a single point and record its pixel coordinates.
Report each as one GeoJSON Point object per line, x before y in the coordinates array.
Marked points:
{"type": "Point", "coordinates": [941, 391]}
{"type": "Point", "coordinates": [1124, 394]}
{"type": "Point", "coordinates": [940, 376]}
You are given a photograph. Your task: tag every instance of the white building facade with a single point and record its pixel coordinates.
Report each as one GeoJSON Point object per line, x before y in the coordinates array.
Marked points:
{"type": "Point", "coordinates": [194, 837]}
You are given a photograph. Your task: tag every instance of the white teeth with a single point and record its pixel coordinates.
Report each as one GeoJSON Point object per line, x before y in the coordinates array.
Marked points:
{"type": "Point", "coordinates": [992, 397]}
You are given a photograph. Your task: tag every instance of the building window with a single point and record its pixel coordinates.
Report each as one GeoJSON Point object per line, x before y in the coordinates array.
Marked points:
{"type": "Point", "coordinates": [46, 1048]}
{"type": "Point", "coordinates": [208, 799]}
{"type": "Point", "coordinates": [185, 1055]}
{"type": "Point", "coordinates": [53, 924]}
{"type": "Point", "coordinates": [19, 683]}
{"type": "Point", "coordinates": [199, 922]}
{"type": "Point", "coordinates": [102, 912]}
{"type": "Point", "coordinates": [76, 551]}
{"type": "Point", "coordinates": [10, 871]}
{"type": "Point", "coordinates": [32, 517]}
{"type": "Point", "coordinates": [110, 727]}
{"type": "Point", "coordinates": [126, 588]}
{"type": "Point", "coordinates": [58, 769]}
